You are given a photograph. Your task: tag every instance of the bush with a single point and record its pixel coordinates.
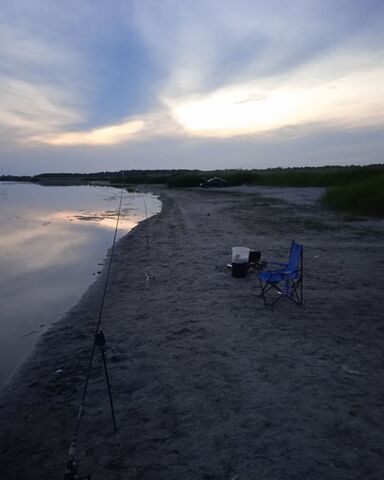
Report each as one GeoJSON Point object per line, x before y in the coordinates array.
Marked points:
{"type": "Point", "coordinates": [184, 180]}
{"type": "Point", "coordinates": [365, 197]}
{"type": "Point", "coordinates": [239, 178]}
{"type": "Point", "coordinates": [317, 177]}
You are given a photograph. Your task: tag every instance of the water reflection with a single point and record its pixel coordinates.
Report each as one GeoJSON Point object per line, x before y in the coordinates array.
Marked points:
{"type": "Point", "coordinates": [52, 243]}
{"type": "Point", "coordinates": [105, 219]}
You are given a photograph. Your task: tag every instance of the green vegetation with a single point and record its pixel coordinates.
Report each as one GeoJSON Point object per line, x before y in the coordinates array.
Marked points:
{"type": "Point", "coordinates": [365, 197]}
{"type": "Point", "coordinates": [317, 177]}
{"type": "Point", "coordinates": [353, 189]}
{"type": "Point", "coordinates": [184, 180]}
{"type": "Point", "coordinates": [279, 177]}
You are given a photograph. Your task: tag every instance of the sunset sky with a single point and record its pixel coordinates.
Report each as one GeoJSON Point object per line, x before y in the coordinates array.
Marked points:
{"type": "Point", "coordinates": [109, 85]}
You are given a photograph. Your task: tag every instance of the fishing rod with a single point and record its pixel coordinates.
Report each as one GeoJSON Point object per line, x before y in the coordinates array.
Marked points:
{"type": "Point", "coordinates": [148, 275]}
{"type": "Point", "coordinates": [71, 472]}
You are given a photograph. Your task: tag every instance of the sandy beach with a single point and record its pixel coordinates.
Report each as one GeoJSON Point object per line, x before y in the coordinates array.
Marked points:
{"type": "Point", "coordinates": [207, 382]}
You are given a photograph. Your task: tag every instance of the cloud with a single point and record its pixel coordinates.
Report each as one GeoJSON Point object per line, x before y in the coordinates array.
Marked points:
{"type": "Point", "coordinates": [28, 108]}
{"type": "Point", "coordinates": [24, 54]}
{"type": "Point", "coordinates": [110, 135]}
{"type": "Point", "coordinates": [215, 43]}
{"type": "Point", "coordinates": [156, 125]}
{"type": "Point", "coordinates": [40, 90]}
{"type": "Point", "coordinates": [312, 95]}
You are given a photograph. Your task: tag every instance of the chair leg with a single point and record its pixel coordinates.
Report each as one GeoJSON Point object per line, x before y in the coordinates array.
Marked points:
{"type": "Point", "coordinates": [295, 296]}
{"type": "Point", "coordinates": [291, 290]}
{"type": "Point", "coordinates": [262, 291]}
{"type": "Point", "coordinates": [267, 287]}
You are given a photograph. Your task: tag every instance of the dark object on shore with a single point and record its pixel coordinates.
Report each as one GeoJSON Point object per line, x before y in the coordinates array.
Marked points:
{"type": "Point", "coordinates": [262, 265]}
{"type": "Point", "coordinates": [257, 266]}
{"type": "Point", "coordinates": [240, 260]}
{"type": "Point", "coordinates": [244, 260]}
{"type": "Point", "coordinates": [213, 182]}
{"type": "Point", "coordinates": [254, 256]}
{"type": "Point", "coordinates": [239, 270]}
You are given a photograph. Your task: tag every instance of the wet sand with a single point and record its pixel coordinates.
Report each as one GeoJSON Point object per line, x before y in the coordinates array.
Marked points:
{"type": "Point", "coordinates": [207, 382]}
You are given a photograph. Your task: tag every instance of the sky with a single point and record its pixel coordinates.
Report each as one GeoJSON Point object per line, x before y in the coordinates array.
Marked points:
{"type": "Point", "coordinates": [208, 84]}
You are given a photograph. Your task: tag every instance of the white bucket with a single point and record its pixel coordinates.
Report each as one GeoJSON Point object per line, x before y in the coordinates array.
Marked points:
{"type": "Point", "coordinates": [240, 254]}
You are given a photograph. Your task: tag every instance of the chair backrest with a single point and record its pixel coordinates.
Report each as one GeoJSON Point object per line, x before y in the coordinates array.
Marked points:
{"type": "Point", "coordinates": [295, 257]}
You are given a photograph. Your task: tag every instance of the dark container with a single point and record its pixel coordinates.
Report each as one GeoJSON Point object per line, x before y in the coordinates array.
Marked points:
{"type": "Point", "coordinates": [254, 256]}
{"type": "Point", "coordinates": [239, 270]}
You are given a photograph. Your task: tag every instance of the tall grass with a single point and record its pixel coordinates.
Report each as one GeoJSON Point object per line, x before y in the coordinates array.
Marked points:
{"type": "Point", "coordinates": [316, 177]}
{"type": "Point", "coordinates": [365, 197]}
{"type": "Point", "coordinates": [184, 180]}
{"type": "Point", "coordinates": [279, 177]}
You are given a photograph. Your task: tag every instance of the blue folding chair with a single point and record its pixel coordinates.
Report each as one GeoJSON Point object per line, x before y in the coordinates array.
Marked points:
{"type": "Point", "coordinates": [286, 281]}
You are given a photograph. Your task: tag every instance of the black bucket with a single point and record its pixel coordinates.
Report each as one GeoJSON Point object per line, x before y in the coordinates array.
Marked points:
{"type": "Point", "coordinates": [239, 270]}
{"type": "Point", "coordinates": [254, 256]}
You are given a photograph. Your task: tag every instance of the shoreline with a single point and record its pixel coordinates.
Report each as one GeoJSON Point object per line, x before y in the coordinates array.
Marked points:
{"type": "Point", "coordinates": [207, 382]}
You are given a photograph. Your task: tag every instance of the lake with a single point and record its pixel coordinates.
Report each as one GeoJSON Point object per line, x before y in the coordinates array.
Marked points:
{"type": "Point", "coordinates": [53, 242]}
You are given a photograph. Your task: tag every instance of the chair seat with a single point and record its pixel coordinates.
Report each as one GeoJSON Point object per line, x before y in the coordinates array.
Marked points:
{"type": "Point", "coordinates": [271, 277]}
{"type": "Point", "coordinates": [278, 275]}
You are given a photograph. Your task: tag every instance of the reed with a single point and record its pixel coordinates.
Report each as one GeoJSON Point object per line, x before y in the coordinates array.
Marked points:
{"type": "Point", "coordinates": [365, 197]}
{"type": "Point", "coordinates": [317, 177]}
{"type": "Point", "coordinates": [280, 177]}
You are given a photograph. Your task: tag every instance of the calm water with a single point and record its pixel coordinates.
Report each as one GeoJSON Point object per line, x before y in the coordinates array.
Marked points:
{"type": "Point", "coordinates": [53, 241]}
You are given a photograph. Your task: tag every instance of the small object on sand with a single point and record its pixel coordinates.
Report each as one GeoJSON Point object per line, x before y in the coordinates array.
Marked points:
{"type": "Point", "coordinates": [350, 371]}
{"type": "Point", "coordinates": [147, 279]}
{"type": "Point", "coordinates": [29, 333]}
{"type": "Point", "coordinates": [240, 259]}
{"type": "Point", "coordinates": [239, 269]}
{"type": "Point", "coordinates": [240, 254]}
{"type": "Point", "coordinates": [254, 256]}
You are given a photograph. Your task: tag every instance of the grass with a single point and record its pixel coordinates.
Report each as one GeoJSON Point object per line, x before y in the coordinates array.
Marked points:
{"type": "Point", "coordinates": [280, 177]}
{"type": "Point", "coordinates": [365, 197]}
{"type": "Point", "coordinates": [317, 177]}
